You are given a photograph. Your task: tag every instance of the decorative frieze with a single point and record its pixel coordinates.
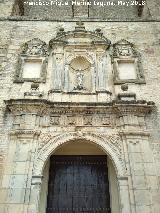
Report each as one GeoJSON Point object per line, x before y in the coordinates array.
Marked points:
{"type": "Point", "coordinates": [42, 113]}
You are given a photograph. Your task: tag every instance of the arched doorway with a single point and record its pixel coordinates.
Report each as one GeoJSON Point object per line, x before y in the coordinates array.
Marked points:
{"type": "Point", "coordinates": [85, 161]}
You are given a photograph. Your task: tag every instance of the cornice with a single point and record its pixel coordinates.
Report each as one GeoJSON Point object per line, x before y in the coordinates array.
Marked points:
{"type": "Point", "coordinates": [134, 133]}
{"type": "Point", "coordinates": [43, 106]}
{"type": "Point", "coordinates": [42, 19]}
{"type": "Point", "coordinates": [25, 132]}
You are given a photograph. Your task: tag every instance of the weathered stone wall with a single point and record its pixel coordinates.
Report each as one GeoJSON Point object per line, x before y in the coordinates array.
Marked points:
{"type": "Point", "coordinates": [18, 152]}
{"type": "Point", "coordinates": [113, 10]}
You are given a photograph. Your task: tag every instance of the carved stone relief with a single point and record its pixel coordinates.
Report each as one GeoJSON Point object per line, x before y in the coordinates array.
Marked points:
{"type": "Point", "coordinates": [43, 113]}
{"type": "Point", "coordinates": [124, 48]}
{"type": "Point", "coordinates": [71, 120]}
{"type": "Point", "coordinates": [81, 120]}
{"type": "Point", "coordinates": [44, 138]}
{"type": "Point", "coordinates": [55, 120]}
{"type": "Point", "coordinates": [34, 47]}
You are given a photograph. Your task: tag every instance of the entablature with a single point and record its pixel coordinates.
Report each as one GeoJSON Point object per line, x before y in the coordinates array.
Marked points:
{"type": "Point", "coordinates": [43, 106]}
{"type": "Point", "coordinates": [35, 113]}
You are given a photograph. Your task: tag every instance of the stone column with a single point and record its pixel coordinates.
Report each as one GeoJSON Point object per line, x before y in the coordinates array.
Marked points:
{"type": "Point", "coordinates": [138, 155]}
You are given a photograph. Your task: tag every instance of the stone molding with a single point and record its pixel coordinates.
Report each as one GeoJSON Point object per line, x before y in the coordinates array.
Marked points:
{"type": "Point", "coordinates": [134, 133]}
{"type": "Point", "coordinates": [24, 133]}
{"type": "Point", "coordinates": [44, 106]}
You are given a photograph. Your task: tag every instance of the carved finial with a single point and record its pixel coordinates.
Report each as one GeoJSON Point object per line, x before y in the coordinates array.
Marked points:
{"type": "Point", "coordinates": [61, 31]}
{"type": "Point", "coordinates": [80, 26]}
{"type": "Point", "coordinates": [79, 23]}
{"type": "Point", "coordinates": [124, 87]}
{"type": "Point", "coordinates": [98, 31]}
{"type": "Point", "coordinates": [34, 86]}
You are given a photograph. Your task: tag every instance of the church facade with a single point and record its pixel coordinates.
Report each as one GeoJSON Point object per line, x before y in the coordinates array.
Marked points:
{"type": "Point", "coordinates": [79, 107]}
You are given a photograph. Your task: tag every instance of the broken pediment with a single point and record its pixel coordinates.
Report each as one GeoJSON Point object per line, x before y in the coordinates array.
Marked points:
{"type": "Point", "coordinates": [80, 36]}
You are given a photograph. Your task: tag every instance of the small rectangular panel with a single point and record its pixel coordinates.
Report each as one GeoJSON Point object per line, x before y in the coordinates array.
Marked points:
{"type": "Point", "coordinates": [127, 70]}
{"type": "Point", "coordinates": [32, 69]}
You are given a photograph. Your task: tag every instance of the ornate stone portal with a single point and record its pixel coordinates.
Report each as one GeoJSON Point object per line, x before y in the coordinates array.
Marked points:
{"type": "Point", "coordinates": [42, 121]}
{"type": "Point", "coordinates": [48, 125]}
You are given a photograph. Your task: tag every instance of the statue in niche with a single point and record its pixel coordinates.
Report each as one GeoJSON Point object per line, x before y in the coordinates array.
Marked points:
{"type": "Point", "coordinates": [80, 80]}
{"type": "Point", "coordinates": [80, 66]}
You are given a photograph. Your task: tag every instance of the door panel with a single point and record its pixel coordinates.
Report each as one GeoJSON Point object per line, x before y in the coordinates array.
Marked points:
{"type": "Point", "coordinates": [78, 184]}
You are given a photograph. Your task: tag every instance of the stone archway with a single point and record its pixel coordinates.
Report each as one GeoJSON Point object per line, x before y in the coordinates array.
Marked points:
{"type": "Point", "coordinates": [110, 143]}
{"type": "Point", "coordinates": [83, 149]}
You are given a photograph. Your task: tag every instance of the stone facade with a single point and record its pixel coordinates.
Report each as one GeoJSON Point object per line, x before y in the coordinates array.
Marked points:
{"type": "Point", "coordinates": [77, 91]}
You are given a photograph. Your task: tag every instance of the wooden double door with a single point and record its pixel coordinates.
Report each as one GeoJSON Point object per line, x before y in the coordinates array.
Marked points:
{"type": "Point", "coordinates": [78, 184]}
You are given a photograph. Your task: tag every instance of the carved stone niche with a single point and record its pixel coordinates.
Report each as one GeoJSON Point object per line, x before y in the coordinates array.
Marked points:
{"type": "Point", "coordinates": [79, 61]}
{"type": "Point", "coordinates": [127, 65]}
{"type": "Point", "coordinates": [80, 73]}
{"type": "Point", "coordinates": [32, 62]}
